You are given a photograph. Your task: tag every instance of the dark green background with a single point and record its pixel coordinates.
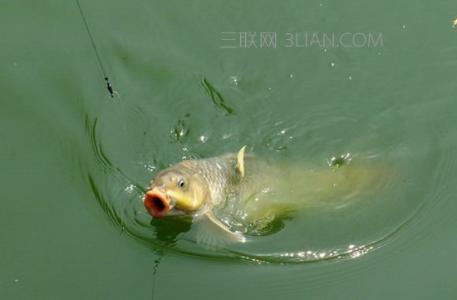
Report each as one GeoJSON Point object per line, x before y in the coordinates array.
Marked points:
{"type": "Point", "coordinates": [56, 242]}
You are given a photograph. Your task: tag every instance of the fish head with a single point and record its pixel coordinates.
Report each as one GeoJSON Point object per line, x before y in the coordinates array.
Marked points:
{"type": "Point", "coordinates": [179, 190]}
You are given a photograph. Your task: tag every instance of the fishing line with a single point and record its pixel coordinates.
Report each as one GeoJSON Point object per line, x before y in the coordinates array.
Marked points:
{"type": "Point", "coordinates": [109, 86]}
{"type": "Point", "coordinates": [154, 272]}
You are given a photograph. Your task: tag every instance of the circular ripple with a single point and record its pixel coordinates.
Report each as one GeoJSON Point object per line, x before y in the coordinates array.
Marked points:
{"type": "Point", "coordinates": [129, 145]}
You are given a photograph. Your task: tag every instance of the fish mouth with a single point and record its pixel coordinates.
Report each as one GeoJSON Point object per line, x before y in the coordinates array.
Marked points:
{"type": "Point", "coordinates": [156, 203]}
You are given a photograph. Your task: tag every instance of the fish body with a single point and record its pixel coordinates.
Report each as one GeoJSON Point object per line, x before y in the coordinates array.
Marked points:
{"type": "Point", "coordinates": [243, 195]}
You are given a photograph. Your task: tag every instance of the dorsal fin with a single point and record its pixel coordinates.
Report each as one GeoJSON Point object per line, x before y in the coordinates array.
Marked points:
{"type": "Point", "coordinates": [240, 161]}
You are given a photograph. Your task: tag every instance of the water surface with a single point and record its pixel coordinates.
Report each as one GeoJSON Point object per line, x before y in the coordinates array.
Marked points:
{"type": "Point", "coordinates": [75, 161]}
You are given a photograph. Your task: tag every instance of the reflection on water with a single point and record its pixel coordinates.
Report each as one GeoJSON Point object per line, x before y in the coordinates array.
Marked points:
{"type": "Point", "coordinates": [168, 229]}
{"type": "Point", "coordinates": [216, 97]}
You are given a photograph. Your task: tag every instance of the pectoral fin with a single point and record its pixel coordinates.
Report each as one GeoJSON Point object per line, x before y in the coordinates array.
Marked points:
{"type": "Point", "coordinates": [240, 161]}
{"type": "Point", "coordinates": [213, 233]}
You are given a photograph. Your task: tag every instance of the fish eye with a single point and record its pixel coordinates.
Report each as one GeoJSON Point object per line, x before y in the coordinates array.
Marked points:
{"type": "Point", "coordinates": [181, 182]}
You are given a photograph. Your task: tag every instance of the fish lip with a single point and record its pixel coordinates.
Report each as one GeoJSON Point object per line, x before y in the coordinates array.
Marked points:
{"type": "Point", "coordinates": [157, 203]}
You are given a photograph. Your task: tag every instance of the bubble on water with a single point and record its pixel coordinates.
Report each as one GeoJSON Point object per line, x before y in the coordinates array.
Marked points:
{"type": "Point", "coordinates": [130, 188]}
{"type": "Point", "coordinates": [332, 64]}
{"type": "Point", "coordinates": [404, 26]}
{"type": "Point", "coordinates": [235, 80]}
{"type": "Point", "coordinates": [338, 161]}
{"type": "Point", "coordinates": [202, 139]}
{"type": "Point", "coordinates": [180, 130]}
{"type": "Point", "coordinates": [350, 77]}
{"type": "Point", "coordinates": [291, 75]}
{"type": "Point", "coordinates": [150, 168]}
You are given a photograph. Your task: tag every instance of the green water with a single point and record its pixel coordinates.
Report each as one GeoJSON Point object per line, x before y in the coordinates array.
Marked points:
{"type": "Point", "coordinates": [75, 161]}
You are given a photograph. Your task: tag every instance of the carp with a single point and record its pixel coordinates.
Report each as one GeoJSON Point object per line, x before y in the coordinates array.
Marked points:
{"type": "Point", "coordinates": [239, 194]}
